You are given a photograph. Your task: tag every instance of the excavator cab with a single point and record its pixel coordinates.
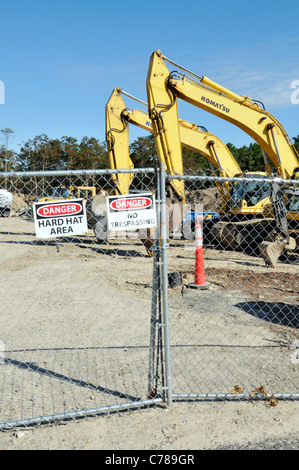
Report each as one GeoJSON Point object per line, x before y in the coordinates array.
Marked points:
{"type": "Point", "coordinates": [293, 204]}
{"type": "Point", "coordinates": [253, 194]}
{"type": "Point", "coordinates": [73, 192]}
{"type": "Point", "coordinates": [60, 192]}
{"type": "Point", "coordinates": [293, 201]}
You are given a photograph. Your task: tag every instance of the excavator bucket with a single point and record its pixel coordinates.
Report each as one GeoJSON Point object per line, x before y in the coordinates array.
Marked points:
{"type": "Point", "coordinates": [270, 251]}
{"type": "Point", "coordinates": [147, 238]}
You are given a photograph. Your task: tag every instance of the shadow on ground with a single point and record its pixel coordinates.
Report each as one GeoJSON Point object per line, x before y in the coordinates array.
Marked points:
{"type": "Point", "coordinates": [278, 313]}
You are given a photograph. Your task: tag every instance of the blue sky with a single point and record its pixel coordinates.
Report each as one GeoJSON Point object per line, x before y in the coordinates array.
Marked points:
{"type": "Point", "coordinates": [60, 60]}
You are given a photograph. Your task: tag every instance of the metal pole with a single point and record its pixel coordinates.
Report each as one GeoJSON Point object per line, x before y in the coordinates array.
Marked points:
{"type": "Point", "coordinates": [77, 414]}
{"type": "Point", "coordinates": [180, 67]}
{"type": "Point", "coordinates": [133, 97]}
{"type": "Point", "coordinates": [164, 246]}
{"type": "Point", "coordinates": [155, 292]}
{"type": "Point", "coordinates": [270, 127]}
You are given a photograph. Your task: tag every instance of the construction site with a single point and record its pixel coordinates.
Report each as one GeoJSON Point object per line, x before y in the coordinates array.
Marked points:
{"type": "Point", "coordinates": [144, 289]}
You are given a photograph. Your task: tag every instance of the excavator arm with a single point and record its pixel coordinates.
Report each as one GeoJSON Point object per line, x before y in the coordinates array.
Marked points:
{"type": "Point", "coordinates": [117, 139]}
{"type": "Point", "coordinates": [164, 87]}
{"type": "Point", "coordinates": [193, 138]}
{"type": "Point", "coordinates": [190, 135]}
{"type": "Point", "coordinates": [209, 146]}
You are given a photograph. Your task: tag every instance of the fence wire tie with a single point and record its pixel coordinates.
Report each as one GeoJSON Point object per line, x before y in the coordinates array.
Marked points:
{"type": "Point", "coordinates": [161, 247]}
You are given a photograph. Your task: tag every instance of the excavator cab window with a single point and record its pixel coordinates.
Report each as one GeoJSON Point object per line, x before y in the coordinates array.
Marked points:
{"type": "Point", "coordinates": [237, 194]}
{"type": "Point", "coordinates": [73, 193]}
{"type": "Point", "coordinates": [60, 192]}
{"type": "Point", "coordinates": [250, 191]}
{"type": "Point", "coordinates": [85, 193]}
{"type": "Point", "coordinates": [293, 200]}
{"type": "Point", "coordinates": [293, 204]}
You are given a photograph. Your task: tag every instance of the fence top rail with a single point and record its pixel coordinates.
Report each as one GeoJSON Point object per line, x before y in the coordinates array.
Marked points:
{"type": "Point", "coordinates": [13, 174]}
{"type": "Point", "coordinates": [102, 172]}
{"type": "Point", "coordinates": [232, 179]}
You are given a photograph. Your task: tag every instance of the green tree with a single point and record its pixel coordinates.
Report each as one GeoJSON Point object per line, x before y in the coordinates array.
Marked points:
{"type": "Point", "coordinates": [91, 154]}
{"type": "Point", "coordinates": [143, 152]}
{"type": "Point", "coordinates": [193, 160]}
{"type": "Point", "coordinates": [8, 157]}
{"type": "Point", "coordinates": [41, 153]}
{"type": "Point", "coordinates": [69, 147]}
{"type": "Point", "coordinates": [249, 158]}
{"type": "Point", "coordinates": [296, 142]}
{"type": "Point", "coordinates": [8, 160]}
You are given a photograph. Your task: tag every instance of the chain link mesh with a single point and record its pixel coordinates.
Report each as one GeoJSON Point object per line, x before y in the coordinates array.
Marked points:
{"type": "Point", "coordinates": [83, 317]}
{"type": "Point", "coordinates": [234, 316]}
{"type": "Point", "coordinates": [75, 310]}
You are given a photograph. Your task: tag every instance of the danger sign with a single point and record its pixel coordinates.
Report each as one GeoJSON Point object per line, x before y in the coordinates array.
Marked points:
{"type": "Point", "coordinates": [59, 209]}
{"type": "Point", "coordinates": [63, 218]}
{"type": "Point", "coordinates": [131, 203]}
{"type": "Point", "coordinates": [130, 212]}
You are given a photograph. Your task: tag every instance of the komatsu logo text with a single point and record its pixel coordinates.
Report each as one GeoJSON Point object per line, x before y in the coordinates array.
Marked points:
{"type": "Point", "coordinates": [216, 105]}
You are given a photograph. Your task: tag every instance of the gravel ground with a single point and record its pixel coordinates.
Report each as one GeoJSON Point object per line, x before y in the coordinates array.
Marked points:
{"type": "Point", "coordinates": [76, 326]}
{"type": "Point", "coordinates": [287, 443]}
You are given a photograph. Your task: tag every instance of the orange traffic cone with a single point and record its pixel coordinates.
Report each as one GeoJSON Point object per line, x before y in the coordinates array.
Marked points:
{"type": "Point", "coordinates": [199, 273]}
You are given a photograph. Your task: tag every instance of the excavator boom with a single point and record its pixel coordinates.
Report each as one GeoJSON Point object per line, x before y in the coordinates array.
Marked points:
{"type": "Point", "coordinates": [118, 148]}
{"type": "Point", "coordinates": [190, 135]}
{"type": "Point", "coordinates": [164, 87]}
{"type": "Point", "coordinates": [201, 141]}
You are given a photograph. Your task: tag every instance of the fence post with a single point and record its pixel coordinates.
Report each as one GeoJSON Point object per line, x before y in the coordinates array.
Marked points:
{"type": "Point", "coordinates": [164, 276]}
{"type": "Point", "coordinates": [156, 300]}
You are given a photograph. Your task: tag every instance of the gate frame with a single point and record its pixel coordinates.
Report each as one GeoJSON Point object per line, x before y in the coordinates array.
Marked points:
{"type": "Point", "coordinates": [161, 289]}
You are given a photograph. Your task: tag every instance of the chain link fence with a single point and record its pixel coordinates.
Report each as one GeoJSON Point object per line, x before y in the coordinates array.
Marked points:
{"type": "Point", "coordinates": [75, 310]}
{"type": "Point", "coordinates": [113, 320]}
{"type": "Point", "coordinates": [234, 319]}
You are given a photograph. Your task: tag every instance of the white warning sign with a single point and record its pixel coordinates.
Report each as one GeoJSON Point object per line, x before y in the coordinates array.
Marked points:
{"type": "Point", "coordinates": [131, 212]}
{"type": "Point", "coordinates": [62, 218]}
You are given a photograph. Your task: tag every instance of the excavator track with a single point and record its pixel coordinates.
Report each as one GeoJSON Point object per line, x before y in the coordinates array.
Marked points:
{"type": "Point", "coordinates": [240, 234]}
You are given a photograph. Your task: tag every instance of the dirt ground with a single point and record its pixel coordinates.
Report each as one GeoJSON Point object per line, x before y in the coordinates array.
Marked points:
{"type": "Point", "coordinates": [181, 427]}
{"type": "Point", "coordinates": [121, 271]}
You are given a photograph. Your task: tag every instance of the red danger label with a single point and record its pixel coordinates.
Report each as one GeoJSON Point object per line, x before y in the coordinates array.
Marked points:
{"type": "Point", "coordinates": [131, 203]}
{"type": "Point", "coordinates": [57, 210]}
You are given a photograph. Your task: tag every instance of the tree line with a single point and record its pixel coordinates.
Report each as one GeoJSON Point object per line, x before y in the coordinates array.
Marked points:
{"type": "Point", "coordinates": [68, 153]}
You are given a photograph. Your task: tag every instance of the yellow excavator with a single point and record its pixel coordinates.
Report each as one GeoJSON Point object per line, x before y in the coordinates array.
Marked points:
{"type": "Point", "coordinates": [117, 139]}
{"type": "Point", "coordinates": [208, 145]}
{"type": "Point", "coordinates": [163, 89]}
{"type": "Point", "coordinates": [192, 137]}
{"type": "Point", "coordinates": [71, 192]}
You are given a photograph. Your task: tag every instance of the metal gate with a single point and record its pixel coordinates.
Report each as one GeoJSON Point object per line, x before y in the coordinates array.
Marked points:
{"type": "Point", "coordinates": [81, 316]}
